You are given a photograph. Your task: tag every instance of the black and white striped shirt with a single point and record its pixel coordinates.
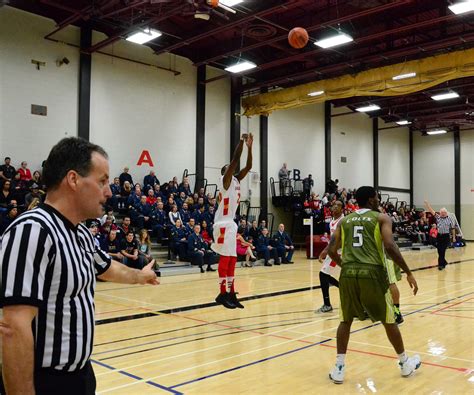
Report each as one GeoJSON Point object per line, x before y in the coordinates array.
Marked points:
{"type": "Point", "coordinates": [49, 263]}
{"type": "Point", "coordinates": [444, 224]}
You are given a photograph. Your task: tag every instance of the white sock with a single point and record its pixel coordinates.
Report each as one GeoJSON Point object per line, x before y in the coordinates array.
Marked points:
{"type": "Point", "coordinates": [340, 358]}
{"type": "Point", "coordinates": [403, 357]}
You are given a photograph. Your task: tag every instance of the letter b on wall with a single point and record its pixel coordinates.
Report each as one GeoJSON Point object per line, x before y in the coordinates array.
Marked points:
{"type": "Point", "coordinates": [296, 174]}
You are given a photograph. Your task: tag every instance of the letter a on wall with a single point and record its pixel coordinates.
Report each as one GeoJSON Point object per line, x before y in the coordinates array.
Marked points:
{"type": "Point", "coordinates": [145, 157]}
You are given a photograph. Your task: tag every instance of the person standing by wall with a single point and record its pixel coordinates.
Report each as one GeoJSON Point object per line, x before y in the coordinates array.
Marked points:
{"type": "Point", "coordinates": [446, 233]}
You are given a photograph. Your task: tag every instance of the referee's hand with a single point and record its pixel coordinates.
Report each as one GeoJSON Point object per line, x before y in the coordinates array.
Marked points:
{"type": "Point", "coordinates": [148, 276]}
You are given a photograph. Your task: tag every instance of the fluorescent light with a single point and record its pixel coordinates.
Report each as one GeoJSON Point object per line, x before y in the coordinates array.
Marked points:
{"type": "Point", "coordinates": [372, 107]}
{"type": "Point", "coordinates": [403, 122]}
{"type": "Point", "coordinates": [316, 93]}
{"type": "Point", "coordinates": [143, 36]}
{"type": "Point", "coordinates": [230, 3]}
{"type": "Point", "coordinates": [437, 131]}
{"type": "Point", "coordinates": [240, 66]}
{"type": "Point", "coordinates": [462, 7]}
{"type": "Point", "coordinates": [445, 96]}
{"type": "Point", "coordinates": [403, 76]}
{"type": "Point", "coordinates": [338, 39]}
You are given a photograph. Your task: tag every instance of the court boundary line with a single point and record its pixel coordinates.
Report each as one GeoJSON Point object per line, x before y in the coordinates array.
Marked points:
{"type": "Point", "coordinates": [315, 344]}
{"type": "Point", "coordinates": [244, 299]}
{"type": "Point", "coordinates": [268, 358]}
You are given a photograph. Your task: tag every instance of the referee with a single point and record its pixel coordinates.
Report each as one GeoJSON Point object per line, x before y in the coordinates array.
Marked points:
{"type": "Point", "coordinates": [48, 269]}
{"type": "Point", "coordinates": [446, 227]}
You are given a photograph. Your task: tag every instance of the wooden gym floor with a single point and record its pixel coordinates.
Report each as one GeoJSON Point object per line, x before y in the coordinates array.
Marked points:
{"type": "Point", "coordinates": [173, 339]}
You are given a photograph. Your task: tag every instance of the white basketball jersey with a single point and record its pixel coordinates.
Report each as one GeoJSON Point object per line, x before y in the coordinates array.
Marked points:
{"type": "Point", "coordinates": [229, 201]}
{"type": "Point", "coordinates": [333, 224]}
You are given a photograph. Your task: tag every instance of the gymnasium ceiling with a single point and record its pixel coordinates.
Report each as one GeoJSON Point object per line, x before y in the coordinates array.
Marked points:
{"type": "Point", "coordinates": [384, 31]}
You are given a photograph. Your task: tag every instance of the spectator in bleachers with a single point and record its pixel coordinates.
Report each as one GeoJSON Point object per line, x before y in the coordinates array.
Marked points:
{"type": "Point", "coordinates": [25, 173]}
{"type": "Point", "coordinates": [150, 181]}
{"type": "Point", "coordinates": [125, 176]}
{"type": "Point", "coordinates": [169, 203]}
{"type": "Point", "coordinates": [265, 248]}
{"type": "Point", "coordinates": [6, 194]}
{"type": "Point", "coordinates": [425, 228]}
{"type": "Point", "coordinates": [19, 188]}
{"type": "Point", "coordinates": [185, 213]}
{"type": "Point", "coordinates": [245, 228]}
{"type": "Point", "coordinates": [109, 212]}
{"type": "Point", "coordinates": [93, 226]}
{"type": "Point", "coordinates": [263, 224]}
{"type": "Point", "coordinates": [34, 194]}
{"type": "Point", "coordinates": [111, 245]}
{"type": "Point", "coordinates": [129, 250]}
{"type": "Point", "coordinates": [173, 185]}
{"type": "Point", "coordinates": [199, 214]}
{"type": "Point", "coordinates": [142, 212]}
{"type": "Point", "coordinates": [174, 214]}
{"type": "Point", "coordinates": [206, 233]}
{"type": "Point", "coordinates": [189, 226]}
{"type": "Point", "coordinates": [125, 227]}
{"type": "Point", "coordinates": [144, 245]}
{"type": "Point", "coordinates": [115, 200]}
{"type": "Point", "coordinates": [38, 180]}
{"type": "Point", "coordinates": [159, 221]}
{"type": "Point", "coordinates": [245, 248]}
{"type": "Point", "coordinates": [107, 226]}
{"type": "Point", "coordinates": [180, 200]}
{"type": "Point", "coordinates": [308, 183]}
{"type": "Point", "coordinates": [254, 232]}
{"type": "Point", "coordinates": [283, 244]}
{"type": "Point", "coordinates": [9, 215]}
{"type": "Point", "coordinates": [151, 198]}
{"type": "Point", "coordinates": [135, 197]}
{"type": "Point", "coordinates": [158, 193]}
{"type": "Point", "coordinates": [7, 171]}
{"type": "Point", "coordinates": [184, 187]}
{"type": "Point", "coordinates": [125, 193]}
{"type": "Point", "coordinates": [209, 215]}
{"type": "Point", "coordinates": [198, 250]}
{"type": "Point", "coordinates": [179, 240]}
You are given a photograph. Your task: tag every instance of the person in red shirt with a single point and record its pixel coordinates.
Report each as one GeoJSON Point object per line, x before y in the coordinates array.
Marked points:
{"type": "Point", "coordinates": [433, 234]}
{"type": "Point", "coordinates": [207, 237]}
{"type": "Point", "coordinates": [151, 198]}
{"type": "Point", "coordinates": [25, 173]}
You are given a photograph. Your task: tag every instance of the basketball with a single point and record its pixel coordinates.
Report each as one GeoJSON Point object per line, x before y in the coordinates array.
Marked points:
{"type": "Point", "coordinates": [298, 37]}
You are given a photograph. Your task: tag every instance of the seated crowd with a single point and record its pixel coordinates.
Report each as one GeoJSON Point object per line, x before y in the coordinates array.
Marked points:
{"type": "Point", "coordinates": [169, 213]}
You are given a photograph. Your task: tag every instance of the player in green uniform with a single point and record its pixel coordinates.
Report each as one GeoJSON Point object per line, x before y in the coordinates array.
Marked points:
{"type": "Point", "coordinates": [365, 236]}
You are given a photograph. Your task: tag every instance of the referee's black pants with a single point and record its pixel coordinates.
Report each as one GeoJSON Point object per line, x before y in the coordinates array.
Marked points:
{"type": "Point", "coordinates": [50, 382]}
{"type": "Point", "coordinates": [442, 243]}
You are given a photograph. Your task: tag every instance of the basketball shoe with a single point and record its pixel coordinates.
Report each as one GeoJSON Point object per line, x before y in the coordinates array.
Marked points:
{"type": "Point", "coordinates": [337, 374]}
{"type": "Point", "coordinates": [410, 365]}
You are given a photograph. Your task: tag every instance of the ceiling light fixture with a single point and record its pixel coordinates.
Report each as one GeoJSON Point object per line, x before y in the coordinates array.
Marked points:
{"type": "Point", "coordinates": [403, 122]}
{"type": "Point", "coordinates": [143, 36]}
{"type": "Point", "coordinates": [339, 39]}
{"type": "Point", "coordinates": [240, 66]}
{"type": "Point", "coordinates": [445, 96]}
{"type": "Point", "coordinates": [316, 93]}
{"type": "Point", "coordinates": [437, 131]}
{"type": "Point", "coordinates": [462, 7]}
{"type": "Point", "coordinates": [371, 107]}
{"type": "Point", "coordinates": [403, 76]}
{"type": "Point", "coordinates": [230, 3]}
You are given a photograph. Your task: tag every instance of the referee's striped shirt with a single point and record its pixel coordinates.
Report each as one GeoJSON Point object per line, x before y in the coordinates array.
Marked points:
{"type": "Point", "coordinates": [49, 263]}
{"type": "Point", "coordinates": [444, 224]}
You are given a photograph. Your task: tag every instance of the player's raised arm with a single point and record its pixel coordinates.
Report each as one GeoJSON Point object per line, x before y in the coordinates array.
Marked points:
{"type": "Point", "coordinates": [248, 165]}
{"type": "Point", "coordinates": [234, 163]}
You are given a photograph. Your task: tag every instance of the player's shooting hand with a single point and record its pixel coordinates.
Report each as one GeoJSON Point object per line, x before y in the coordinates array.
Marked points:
{"type": "Point", "coordinates": [148, 276]}
{"type": "Point", "coordinates": [413, 285]}
{"type": "Point", "coordinates": [249, 140]}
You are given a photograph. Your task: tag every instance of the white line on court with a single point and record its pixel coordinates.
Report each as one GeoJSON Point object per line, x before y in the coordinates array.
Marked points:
{"type": "Point", "coordinates": [230, 357]}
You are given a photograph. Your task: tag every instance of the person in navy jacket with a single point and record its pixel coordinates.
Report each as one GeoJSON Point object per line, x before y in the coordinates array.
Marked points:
{"type": "Point", "coordinates": [265, 248]}
{"type": "Point", "coordinates": [143, 214]}
{"type": "Point", "coordinates": [185, 213]}
{"type": "Point", "coordinates": [283, 244]}
{"type": "Point", "coordinates": [116, 194]}
{"type": "Point", "coordinates": [159, 221]}
{"type": "Point", "coordinates": [179, 240]}
{"type": "Point", "coordinates": [150, 181]}
{"type": "Point", "coordinates": [198, 252]}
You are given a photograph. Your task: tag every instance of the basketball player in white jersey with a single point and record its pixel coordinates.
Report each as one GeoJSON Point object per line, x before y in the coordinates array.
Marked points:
{"type": "Point", "coordinates": [329, 270]}
{"type": "Point", "coordinates": [225, 228]}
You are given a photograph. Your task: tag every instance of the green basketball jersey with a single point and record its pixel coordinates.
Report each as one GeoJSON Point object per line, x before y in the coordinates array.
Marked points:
{"type": "Point", "coordinates": [361, 238]}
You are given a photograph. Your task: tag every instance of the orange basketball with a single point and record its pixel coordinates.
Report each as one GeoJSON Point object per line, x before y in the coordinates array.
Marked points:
{"type": "Point", "coordinates": [298, 37]}
{"type": "Point", "coordinates": [213, 3]}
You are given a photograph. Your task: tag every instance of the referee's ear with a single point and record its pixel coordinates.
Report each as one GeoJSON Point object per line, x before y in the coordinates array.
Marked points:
{"type": "Point", "coordinates": [72, 180]}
